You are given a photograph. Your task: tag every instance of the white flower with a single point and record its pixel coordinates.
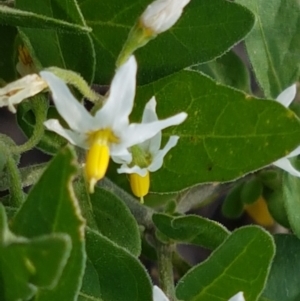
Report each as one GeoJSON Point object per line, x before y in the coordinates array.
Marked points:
{"type": "Point", "coordinates": [147, 156]}
{"type": "Point", "coordinates": [285, 98]}
{"type": "Point", "coordinates": [108, 133]}
{"type": "Point", "coordinates": [21, 89]}
{"type": "Point", "coordinates": [150, 147]}
{"type": "Point", "coordinates": [158, 295]}
{"type": "Point", "coordinates": [160, 15]}
{"type": "Point", "coordinates": [238, 297]}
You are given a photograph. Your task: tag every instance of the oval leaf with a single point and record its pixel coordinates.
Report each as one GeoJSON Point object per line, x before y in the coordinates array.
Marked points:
{"type": "Point", "coordinates": [191, 229]}
{"type": "Point", "coordinates": [241, 263]}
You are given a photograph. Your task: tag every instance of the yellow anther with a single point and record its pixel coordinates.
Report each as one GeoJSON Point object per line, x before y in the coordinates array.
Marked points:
{"type": "Point", "coordinates": [96, 164]}
{"type": "Point", "coordinates": [259, 212]}
{"type": "Point", "coordinates": [139, 185]}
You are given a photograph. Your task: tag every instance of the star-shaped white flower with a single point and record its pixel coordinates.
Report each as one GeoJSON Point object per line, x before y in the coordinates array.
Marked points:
{"type": "Point", "coordinates": [285, 98]}
{"type": "Point", "coordinates": [161, 15]}
{"type": "Point", "coordinates": [147, 156]}
{"type": "Point", "coordinates": [150, 147]}
{"type": "Point", "coordinates": [109, 132]}
{"type": "Point", "coordinates": [159, 295]}
{"type": "Point", "coordinates": [23, 88]}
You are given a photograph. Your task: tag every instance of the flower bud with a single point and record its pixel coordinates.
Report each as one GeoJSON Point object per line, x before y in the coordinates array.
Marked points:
{"type": "Point", "coordinates": [161, 15]}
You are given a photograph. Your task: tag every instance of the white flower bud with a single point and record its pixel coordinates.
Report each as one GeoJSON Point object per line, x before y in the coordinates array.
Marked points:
{"type": "Point", "coordinates": [161, 15]}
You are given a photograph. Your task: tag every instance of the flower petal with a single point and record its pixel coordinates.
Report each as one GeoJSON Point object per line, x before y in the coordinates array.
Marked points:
{"type": "Point", "coordinates": [149, 115]}
{"type": "Point", "coordinates": [158, 160]}
{"type": "Point", "coordinates": [287, 95]}
{"type": "Point", "coordinates": [138, 133]}
{"type": "Point", "coordinates": [21, 89]}
{"type": "Point", "coordinates": [120, 155]}
{"type": "Point", "coordinates": [158, 294]}
{"type": "Point", "coordinates": [72, 137]}
{"type": "Point", "coordinates": [135, 169]}
{"type": "Point", "coordinates": [119, 104]}
{"type": "Point", "coordinates": [286, 165]}
{"type": "Point", "coordinates": [238, 297]}
{"type": "Point", "coordinates": [75, 114]}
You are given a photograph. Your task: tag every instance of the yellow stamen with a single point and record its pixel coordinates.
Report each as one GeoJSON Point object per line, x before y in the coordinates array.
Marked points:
{"type": "Point", "coordinates": [259, 212]}
{"type": "Point", "coordinates": [139, 185]}
{"type": "Point", "coordinates": [98, 156]}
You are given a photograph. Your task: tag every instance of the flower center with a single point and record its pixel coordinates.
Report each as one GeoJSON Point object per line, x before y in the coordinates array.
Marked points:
{"type": "Point", "coordinates": [98, 155]}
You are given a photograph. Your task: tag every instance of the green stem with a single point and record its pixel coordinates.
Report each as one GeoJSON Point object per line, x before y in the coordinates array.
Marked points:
{"type": "Point", "coordinates": [142, 214]}
{"type": "Point", "coordinates": [39, 105]}
{"type": "Point", "coordinates": [77, 81]}
{"type": "Point", "coordinates": [165, 269]}
{"type": "Point", "coordinates": [16, 192]}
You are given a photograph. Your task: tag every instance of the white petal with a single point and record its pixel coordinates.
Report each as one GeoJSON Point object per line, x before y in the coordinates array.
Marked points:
{"type": "Point", "coordinates": [75, 114]}
{"type": "Point", "coordinates": [21, 89]}
{"type": "Point", "coordinates": [286, 165]}
{"type": "Point", "coordinates": [151, 145]}
{"type": "Point", "coordinates": [138, 133]}
{"type": "Point", "coordinates": [157, 161]}
{"type": "Point", "coordinates": [135, 169]}
{"type": "Point", "coordinates": [238, 297]}
{"type": "Point", "coordinates": [74, 138]}
{"type": "Point", "coordinates": [294, 153]}
{"type": "Point", "coordinates": [160, 15]}
{"type": "Point", "coordinates": [119, 104]}
{"type": "Point", "coordinates": [158, 294]}
{"type": "Point", "coordinates": [120, 153]}
{"type": "Point", "coordinates": [287, 95]}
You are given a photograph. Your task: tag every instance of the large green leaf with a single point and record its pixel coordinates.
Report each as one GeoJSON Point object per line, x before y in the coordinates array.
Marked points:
{"type": "Point", "coordinates": [115, 221]}
{"type": "Point", "coordinates": [191, 229]}
{"type": "Point", "coordinates": [51, 207]}
{"type": "Point", "coordinates": [7, 66]}
{"type": "Point", "coordinates": [56, 48]}
{"type": "Point", "coordinates": [17, 17]}
{"type": "Point", "coordinates": [121, 276]}
{"type": "Point", "coordinates": [273, 45]}
{"type": "Point", "coordinates": [206, 30]}
{"type": "Point", "coordinates": [284, 280]}
{"type": "Point", "coordinates": [241, 263]}
{"type": "Point", "coordinates": [226, 135]}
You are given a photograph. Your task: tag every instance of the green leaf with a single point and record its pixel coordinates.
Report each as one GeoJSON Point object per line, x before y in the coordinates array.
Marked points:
{"type": "Point", "coordinates": [111, 261]}
{"type": "Point", "coordinates": [227, 133]}
{"type": "Point", "coordinates": [284, 280]}
{"type": "Point", "coordinates": [51, 207]}
{"type": "Point", "coordinates": [273, 46]}
{"type": "Point", "coordinates": [251, 190]}
{"type": "Point", "coordinates": [54, 48]}
{"type": "Point", "coordinates": [194, 39]}
{"type": "Point", "coordinates": [229, 70]}
{"type": "Point", "coordinates": [17, 17]}
{"type": "Point", "coordinates": [241, 263]}
{"type": "Point", "coordinates": [28, 264]}
{"type": "Point", "coordinates": [232, 206]}
{"type": "Point", "coordinates": [115, 221]}
{"type": "Point", "coordinates": [7, 64]}
{"type": "Point", "coordinates": [90, 290]}
{"type": "Point", "coordinates": [291, 197]}
{"type": "Point", "coordinates": [191, 229]}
